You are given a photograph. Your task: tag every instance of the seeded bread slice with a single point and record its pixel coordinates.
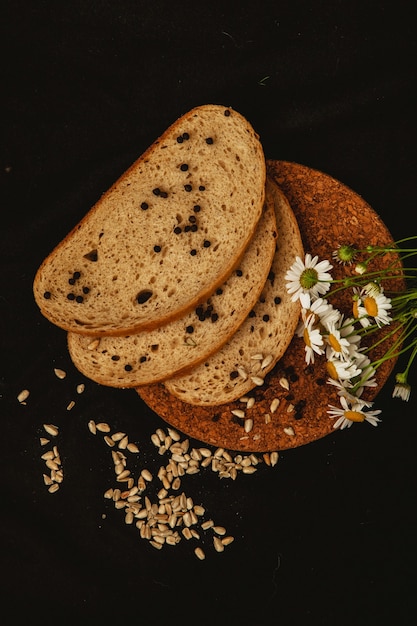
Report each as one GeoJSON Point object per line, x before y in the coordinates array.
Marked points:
{"type": "Point", "coordinates": [151, 356]}
{"type": "Point", "coordinates": [259, 343]}
{"type": "Point", "coordinates": [166, 235]}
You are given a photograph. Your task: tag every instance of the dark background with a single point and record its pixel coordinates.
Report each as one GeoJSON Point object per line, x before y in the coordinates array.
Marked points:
{"type": "Point", "coordinates": [329, 535]}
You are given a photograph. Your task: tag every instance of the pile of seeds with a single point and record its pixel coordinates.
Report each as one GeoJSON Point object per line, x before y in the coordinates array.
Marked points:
{"type": "Point", "coordinates": [156, 504]}
{"type": "Point", "coordinates": [172, 515]}
{"type": "Point", "coordinates": [52, 459]}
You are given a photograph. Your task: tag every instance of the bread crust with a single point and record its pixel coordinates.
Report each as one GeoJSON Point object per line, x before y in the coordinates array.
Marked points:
{"type": "Point", "coordinates": [327, 212]}
{"type": "Point", "coordinates": [136, 247]}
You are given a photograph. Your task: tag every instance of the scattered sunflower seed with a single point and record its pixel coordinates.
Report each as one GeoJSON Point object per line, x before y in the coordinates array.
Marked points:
{"type": "Point", "coordinates": [199, 552]}
{"type": "Point", "coordinates": [257, 380]}
{"type": "Point", "coordinates": [103, 427]}
{"type": "Point", "coordinates": [284, 383]}
{"type": "Point", "coordinates": [51, 429]}
{"type": "Point", "coordinates": [60, 373]}
{"type": "Point", "coordinates": [23, 395]}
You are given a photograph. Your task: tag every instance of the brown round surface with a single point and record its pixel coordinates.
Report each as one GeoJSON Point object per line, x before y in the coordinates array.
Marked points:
{"type": "Point", "coordinates": [328, 214]}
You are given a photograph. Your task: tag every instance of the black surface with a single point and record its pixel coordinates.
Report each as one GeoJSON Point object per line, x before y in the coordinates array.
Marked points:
{"type": "Point", "coordinates": [327, 537]}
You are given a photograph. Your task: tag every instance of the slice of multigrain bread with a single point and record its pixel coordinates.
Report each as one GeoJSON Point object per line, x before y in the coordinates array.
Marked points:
{"type": "Point", "coordinates": [154, 355]}
{"type": "Point", "coordinates": [167, 233]}
{"type": "Point", "coordinates": [261, 340]}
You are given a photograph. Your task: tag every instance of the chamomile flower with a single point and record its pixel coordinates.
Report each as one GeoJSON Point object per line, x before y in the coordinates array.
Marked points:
{"type": "Point", "coordinates": [342, 369]}
{"type": "Point", "coordinates": [345, 388]}
{"type": "Point", "coordinates": [313, 340]}
{"type": "Point", "coordinates": [308, 276]}
{"type": "Point", "coordinates": [374, 307]}
{"type": "Point", "coordinates": [350, 412]}
{"type": "Point", "coordinates": [321, 310]}
{"type": "Point", "coordinates": [344, 254]}
{"type": "Point", "coordinates": [402, 389]}
{"type": "Point", "coordinates": [341, 340]}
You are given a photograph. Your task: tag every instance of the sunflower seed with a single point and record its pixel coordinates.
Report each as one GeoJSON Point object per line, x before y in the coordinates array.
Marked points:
{"type": "Point", "coordinates": [248, 425]}
{"type": "Point", "coordinates": [123, 443]}
{"type": "Point", "coordinates": [274, 458]}
{"type": "Point", "coordinates": [274, 405]}
{"type": "Point", "coordinates": [80, 388]}
{"type": "Point", "coordinates": [173, 434]}
{"type": "Point", "coordinates": [129, 517]}
{"type": "Point", "coordinates": [218, 545]}
{"type": "Point", "coordinates": [242, 373]}
{"type": "Point", "coordinates": [43, 441]}
{"type": "Point", "coordinates": [284, 383]}
{"type": "Point", "coordinates": [103, 427]}
{"type": "Point", "coordinates": [48, 455]}
{"type": "Point", "coordinates": [53, 488]}
{"type": "Point", "coordinates": [267, 361]}
{"type": "Point", "coordinates": [71, 405]}
{"type": "Point", "coordinates": [92, 427]}
{"type": "Point", "coordinates": [60, 373]}
{"type": "Point", "coordinates": [186, 532]}
{"type": "Point", "coordinates": [51, 429]}
{"type": "Point", "coordinates": [257, 380]}
{"type": "Point", "coordinates": [199, 552]}
{"type": "Point", "coordinates": [207, 524]}
{"type": "Point", "coordinates": [267, 418]}
{"type": "Point", "coordinates": [132, 447]}
{"type": "Point", "coordinates": [51, 464]}
{"type": "Point", "coordinates": [199, 510]}
{"type": "Point", "coordinates": [219, 530]}
{"type": "Point", "coordinates": [238, 413]}
{"type": "Point", "coordinates": [146, 474]}
{"type": "Point", "coordinates": [47, 479]}
{"type": "Point", "coordinates": [249, 470]}
{"type": "Point", "coordinates": [118, 436]}
{"type": "Point", "coordinates": [289, 431]}
{"type": "Point", "coordinates": [155, 440]}
{"type": "Point", "coordinates": [109, 441]}
{"type": "Point", "coordinates": [290, 408]}
{"type": "Point", "coordinates": [250, 403]}
{"type": "Point", "coordinates": [226, 541]}
{"type": "Point", "coordinates": [94, 344]}
{"type": "Point", "coordinates": [23, 395]}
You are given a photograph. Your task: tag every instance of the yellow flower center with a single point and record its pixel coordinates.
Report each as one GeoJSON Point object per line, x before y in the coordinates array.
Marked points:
{"type": "Point", "coordinates": [333, 341]}
{"type": "Point", "coordinates": [307, 338]}
{"type": "Point", "coordinates": [355, 416]}
{"type": "Point", "coordinates": [331, 370]}
{"type": "Point", "coordinates": [355, 309]}
{"type": "Point", "coordinates": [371, 306]}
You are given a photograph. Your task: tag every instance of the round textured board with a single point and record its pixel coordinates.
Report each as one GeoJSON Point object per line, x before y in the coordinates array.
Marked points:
{"type": "Point", "coordinates": [328, 214]}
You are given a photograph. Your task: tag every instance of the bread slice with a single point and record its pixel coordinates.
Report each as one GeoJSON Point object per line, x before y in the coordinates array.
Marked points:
{"type": "Point", "coordinates": [167, 233]}
{"type": "Point", "coordinates": [151, 356]}
{"type": "Point", "coordinates": [262, 339]}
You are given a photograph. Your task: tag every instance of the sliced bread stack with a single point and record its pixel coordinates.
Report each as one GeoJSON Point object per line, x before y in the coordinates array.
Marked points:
{"type": "Point", "coordinates": [166, 235]}
{"type": "Point", "coordinates": [173, 283]}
